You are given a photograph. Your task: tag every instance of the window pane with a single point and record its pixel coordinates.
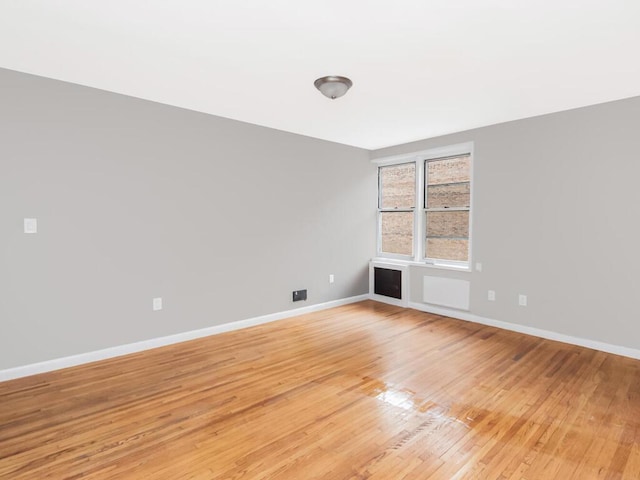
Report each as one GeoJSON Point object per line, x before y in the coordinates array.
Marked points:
{"type": "Point", "coordinates": [398, 186]}
{"type": "Point", "coordinates": [397, 232]}
{"type": "Point", "coordinates": [449, 170]}
{"type": "Point", "coordinates": [453, 224]}
{"type": "Point", "coordinates": [448, 195]}
{"type": "Point", "coordinates": [447, 249]}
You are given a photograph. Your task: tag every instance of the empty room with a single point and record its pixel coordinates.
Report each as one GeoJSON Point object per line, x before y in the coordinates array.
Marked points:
{"type": "Point", "coordinates": [299, 240]}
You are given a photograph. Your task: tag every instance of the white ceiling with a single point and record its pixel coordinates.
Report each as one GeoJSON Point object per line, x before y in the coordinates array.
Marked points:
{"type": "Point", "coordinates": [457, 64]}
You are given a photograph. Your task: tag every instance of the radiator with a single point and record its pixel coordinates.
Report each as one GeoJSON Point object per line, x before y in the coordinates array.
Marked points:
{"type": "Point", "coordinates": [446, 292]}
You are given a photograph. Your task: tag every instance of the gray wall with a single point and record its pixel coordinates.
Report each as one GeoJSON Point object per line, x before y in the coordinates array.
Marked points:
{"type": "Point", "coordinates": [223, 219]}
{"type": "Point", "coordinates": [136, 200]}
{"type": "Point", "coordinates": [556, 217]}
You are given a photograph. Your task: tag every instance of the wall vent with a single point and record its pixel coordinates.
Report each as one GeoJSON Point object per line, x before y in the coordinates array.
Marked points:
{"type": "Point", "coordinates": [387, 282]}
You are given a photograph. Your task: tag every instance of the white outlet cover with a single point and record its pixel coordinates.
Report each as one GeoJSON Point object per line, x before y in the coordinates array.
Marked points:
{"type": "Point", "coordinates": [522, 300]}
{"type": "Point", "coordinates": [331, 278]}
{"type": "Point", "coordinates": [491, 295]}
{"type": "Point", "coordinates": [157, 304]}
{"type": "Point", "coordinates": [30, 225]}
{"type": "Point", "coordinates": [478, 267]}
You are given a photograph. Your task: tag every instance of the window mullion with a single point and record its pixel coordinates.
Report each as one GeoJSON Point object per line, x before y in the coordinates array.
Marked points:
{"type": "Point", "coordinates": [419, 232]}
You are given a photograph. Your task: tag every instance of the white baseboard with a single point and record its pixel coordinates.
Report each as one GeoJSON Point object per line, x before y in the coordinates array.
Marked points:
{"type": "Point", "coordinates": [74, 360]}
{"type": "Point", "coordinates": [537, 332]}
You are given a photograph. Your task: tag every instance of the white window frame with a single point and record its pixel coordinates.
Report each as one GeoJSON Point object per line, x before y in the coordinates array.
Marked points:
{"type": "Point", "coordinates": [397, 256]}
{"type": "Point", "coordinates": [419, 211]}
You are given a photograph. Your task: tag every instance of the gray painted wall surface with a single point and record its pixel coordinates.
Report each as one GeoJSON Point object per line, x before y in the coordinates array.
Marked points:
{"type": "Point", "coordinates": [556, 217]}
{"type": "Point", "coordinates": [137, 200]}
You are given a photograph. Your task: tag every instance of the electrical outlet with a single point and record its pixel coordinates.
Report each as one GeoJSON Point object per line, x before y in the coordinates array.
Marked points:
{"type": "Point", "coordinates": [522, 300]}
{"type": "Point", "coordinates": [157, 304]}
{"type": "Point", "coordinates": [491, 295]}
{"type": "Point", "coordinates": [331, 278]}
{"type": "Point", "coordinates": [30, 225]}
{"type": "Point", "coordinates": [478, 267]}
{"type": "Point", "coordinates": [299, 295]}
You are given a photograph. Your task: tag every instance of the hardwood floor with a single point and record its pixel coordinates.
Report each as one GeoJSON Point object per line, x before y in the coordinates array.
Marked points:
{"type": "Point", "coordinates": [365, 391]}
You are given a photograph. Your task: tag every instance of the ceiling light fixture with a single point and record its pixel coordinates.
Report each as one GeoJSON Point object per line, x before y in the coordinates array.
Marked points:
{"type": "Point", "coordinates": [333, 86]}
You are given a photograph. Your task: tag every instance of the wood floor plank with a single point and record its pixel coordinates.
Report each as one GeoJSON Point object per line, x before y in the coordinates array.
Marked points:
{"type": "Point", "coordinates": [364, 391]}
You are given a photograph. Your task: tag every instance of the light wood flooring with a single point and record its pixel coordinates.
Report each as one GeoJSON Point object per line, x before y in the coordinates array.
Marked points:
{"type": "Point", "coordinates": [365, 391]}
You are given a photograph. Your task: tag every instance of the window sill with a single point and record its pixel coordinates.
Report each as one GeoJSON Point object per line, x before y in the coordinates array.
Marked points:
{"type": "Point", "coordinates": [413, 263]}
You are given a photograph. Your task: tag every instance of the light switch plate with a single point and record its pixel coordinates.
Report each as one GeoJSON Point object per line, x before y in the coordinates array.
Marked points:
{"type": "Point", "coordinates": [522, 300]}
{"type": "Point", "coordinates": [30, 225]}
{"type": "Point", "coordinates": [157, 304]}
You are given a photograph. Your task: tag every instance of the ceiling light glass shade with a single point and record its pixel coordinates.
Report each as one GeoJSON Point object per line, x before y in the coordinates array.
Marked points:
{"type": "Point", "coordinates": [333, 86]}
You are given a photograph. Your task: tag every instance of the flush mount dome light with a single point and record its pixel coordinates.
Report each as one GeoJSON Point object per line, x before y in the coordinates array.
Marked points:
{"type": "Point", "coordinates": [333, 86]}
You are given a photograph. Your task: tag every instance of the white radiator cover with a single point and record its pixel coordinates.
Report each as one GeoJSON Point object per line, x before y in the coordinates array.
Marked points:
{"type": "Point", "coordinates": [447, 292]}
{"type": "Point", "coordinates": [404, 268]}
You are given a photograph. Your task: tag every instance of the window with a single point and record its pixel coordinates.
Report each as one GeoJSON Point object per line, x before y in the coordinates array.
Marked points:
{"type": "Point", "coordinates": [396, 206]}
{"type": "Point", "coordinates": [447, 204]}
{"type": "Point", "coordinates": [424, 207]}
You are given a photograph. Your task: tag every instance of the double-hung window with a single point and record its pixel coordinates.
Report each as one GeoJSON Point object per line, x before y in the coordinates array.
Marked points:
{"type": "Point", "coordinates": [424, 207]}
{"type": "Point", "coordinates": [447, 204]}
{"type": "Point", "coordinates": [396, 207]}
